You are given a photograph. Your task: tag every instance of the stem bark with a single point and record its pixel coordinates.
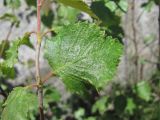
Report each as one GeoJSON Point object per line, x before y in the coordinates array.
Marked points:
{"type": "Point", "coordinates": [38, 46]}
{"type": "Point", "coordinates": [158, 65]}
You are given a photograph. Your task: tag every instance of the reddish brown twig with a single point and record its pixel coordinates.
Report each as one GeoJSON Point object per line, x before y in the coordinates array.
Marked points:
{"type": "Point", "coordinates": [45, 33]}
{"type": "Point", "coordinates": [50, 74]}
{"type": "Point", "coordinates": [38, 46]}
{"type": "Point", "coordinates": [32, 86]}
{"type": "Point", "coordinates": [33, 32]}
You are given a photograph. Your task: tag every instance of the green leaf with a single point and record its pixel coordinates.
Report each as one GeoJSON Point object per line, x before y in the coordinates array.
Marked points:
{"type": "Point", "coordinates": [120, 103]}
{"type": "Point", "coordinates": [19, 104]}
{"type": "Point", "coordinates": [81, 55]}
{"type": "Point", "coordinates": [51, 94]}
{"type": "Point", "coordinates": [78, 4]}
{"type": "Point", "coordinates": [131, 106]}
{"type": "Point", "coordinates": [100, 105]}
{"type": "Point", "coordinates": [7, 64]}
{"type": "Point", "coordinates": [108, 17]}
{"type": "Point", "coordinates": [111, 5]}
{"type": "Point", "coordinates": [13, 3]}
{"type": "Point", "coordinates": [123, 4]}
{"type": "Point", "coordinates": [79, 114]}
{"type": "Point", "coordinates": [4, 45]}
{"type": "Point", "coordinates": [31, 2]}
{"type": "Point", "coordinates": [143, 90]}
{"type": "Point", "coordinates": [149, 39]}
{"type": "Point", "coordinates": [12, 52]}
{"type": "Point", "coordinates": [67, 15]}
{"type": "Point", "coordinates": [90, 118]}
{"type": "Point", "coordinates": [48, 18]}
{"type": "Point", "coordinates": [10, 17]}
{"type": "Point", "coordinates": [148, 5]}
{"type": "Point", "coordinates": [7, 72]}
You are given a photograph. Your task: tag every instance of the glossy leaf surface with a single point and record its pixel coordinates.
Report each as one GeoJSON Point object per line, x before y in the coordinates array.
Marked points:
{"type": "Point", "coordinates": [19, 105]}
{"type": "Point", "coordinates": [81, 56]}
{"type": "Point", "coordinates": [78, 4]}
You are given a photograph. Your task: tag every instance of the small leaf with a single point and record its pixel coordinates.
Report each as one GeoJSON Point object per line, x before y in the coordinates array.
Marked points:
{"type": "Point", "coordinates": [91, 118]}
{"type": "Point", "coordinates": [12, 52]}
{"type": "Point", "coordinates": [79, 113]}
{"type": "Point", "coordinates": [7, 72]}
{"type": "Point", "coordinates": [4, 45]}
{"type": "Point", "coordinates": [13, 3]}
{"type": "Point", "coordinates": [143, 90]}
{"type": "Point", "coordinates": [105, 14]}
{"type": "Point", "coordinates": [47, 19]}
{"type": "Point", "coordinates": [66, 15]}
{"type": "Point", "coordinates": [81, 55]}
{"type": "Point", "coordinates": [123, 4]}
{"type": "Point", "coordinates": [10, 17]}
{"type": "Point", "coordinates": [100, 105]}
{"type": "Point", "coordinates": [148, 5]}
{"type": "Point", "coordinates": [51, 94]}
{"type": "Point", "coordinates": [120, 103]}
{"type": "Point", "coordinates": [7, 65]}
{"type": "Point", "coordinates": [149, 39]}
{"type": "Point", "coordinates": [31, 2]}
{"type": "Point", "coordinates": [78, 4]}
{"type": "Point", "coordinates": [19, 105]}
{"type": "Point", "coordinates": [111, 5]}
{"type": "Point", "coordinates": [131, 106]}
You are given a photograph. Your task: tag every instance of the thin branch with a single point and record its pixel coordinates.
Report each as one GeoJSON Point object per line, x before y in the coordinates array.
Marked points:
{"type": "Point", "coordinates": [49, 31]}
{"type": "Point", "coordinates": [158, 65]}
{"type": "Point", "coordinates": [7, 38]}
{"type": "Point", "coordinates": [32, 86]}
{"type": "Point", "coordinates": [9, 32]}
{"type": "Point", "coordinates": [39, 82]}
{"type": "Point", "coordinates": [50, 74]}
{"type": "Point", "coordinates": [33, 32]}
{"type": "Point", "coordinates": [38, 46]}
{"type": "Point", "coordinates": [135, 40]}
